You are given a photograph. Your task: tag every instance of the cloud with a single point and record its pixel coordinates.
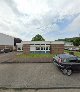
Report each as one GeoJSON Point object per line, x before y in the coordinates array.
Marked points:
{"type": "Point", "coordinates": [32, 7]}
{"type": "Point", "coordinates": [75, 25]}
{"type": "Point", "coordinates": [26, 18]}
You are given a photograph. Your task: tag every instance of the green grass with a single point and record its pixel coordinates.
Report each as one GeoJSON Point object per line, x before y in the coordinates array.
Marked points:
{"type": "Point", "coordinates": [75, 52]}
{"type": "Point", "coordinates": [43, 55]}
{"type": "Point", "coordinates": [35, 55]}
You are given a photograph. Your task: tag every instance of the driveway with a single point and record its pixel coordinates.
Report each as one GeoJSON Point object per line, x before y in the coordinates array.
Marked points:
{"type": "Point", "coordinates": [36, 75]}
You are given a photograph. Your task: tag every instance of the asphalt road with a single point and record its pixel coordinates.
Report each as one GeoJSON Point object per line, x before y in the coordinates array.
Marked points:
{"type": "Point", "coordinates": [36, 75]}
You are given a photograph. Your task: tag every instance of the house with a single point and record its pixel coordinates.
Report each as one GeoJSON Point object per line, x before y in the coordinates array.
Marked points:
{"type": "Point", "coordinates": [6, 41]}
{"type": "Point", "coordinates": [53, 47]}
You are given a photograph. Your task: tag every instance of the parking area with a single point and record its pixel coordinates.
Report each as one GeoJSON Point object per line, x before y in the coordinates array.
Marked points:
{"type": "Point", "coordinates": [10, 56]}
{"type": "Point", "coordinates": [36, 75]}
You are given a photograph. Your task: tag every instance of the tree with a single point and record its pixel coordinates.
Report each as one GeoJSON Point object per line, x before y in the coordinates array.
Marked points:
{"type": "Point", "coordinates": [76, 42]}
{"type": "Point", "coordinates": [38, 38]}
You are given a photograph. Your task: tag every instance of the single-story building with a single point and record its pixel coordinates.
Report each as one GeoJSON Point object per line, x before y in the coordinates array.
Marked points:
{"type": "Point", "coordinates": [68, 44]}
{"type": "Point", "coordinates": [6, 41]}
{"type": "Point", "coordinates": [53, 47]}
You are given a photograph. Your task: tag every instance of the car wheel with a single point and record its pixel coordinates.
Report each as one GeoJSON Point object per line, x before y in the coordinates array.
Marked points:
{"type": "Point", "coordinates": [69, 72]}
{"type": "Point", "coordinates": [64, 71]}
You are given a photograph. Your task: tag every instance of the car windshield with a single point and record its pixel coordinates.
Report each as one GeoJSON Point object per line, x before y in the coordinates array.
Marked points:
{"type": "Point", "coordinates": [78, 58]}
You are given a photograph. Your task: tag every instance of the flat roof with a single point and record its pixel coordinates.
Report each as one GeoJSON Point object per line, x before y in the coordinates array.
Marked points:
{"type": "Point", "coordinates": [6, 35]}
{"type": "Point", "coordinates": [40, 42]}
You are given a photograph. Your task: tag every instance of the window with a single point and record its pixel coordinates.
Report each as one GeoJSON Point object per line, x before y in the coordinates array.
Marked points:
{"type": "Point", "coordinates": [49, 48]}
{"type": "Point", "coordinates": [37, 44]}
{"type": "Point", "coordinates": [74, 61]}
{"type": "Point", "coordinates": [22, 48]}
{"type": "Point", "coordinates": [78, 58]}
{"type": "Point", "coordinates": [19, 48]}
{"type": "Point", "coordinates": [42, 48]}
{"type": "Point", "coordinates": [42, 44]}
{"type": "Point", "coordinates": [37, 48]}
{"type": "Point", "coordinates": [46, 48]}
{"type": "Point", "coordinates": [47, 44]}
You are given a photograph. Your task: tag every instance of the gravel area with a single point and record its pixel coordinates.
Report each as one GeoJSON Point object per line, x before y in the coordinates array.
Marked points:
{"type": "Point", "coordinates": [36, 75]}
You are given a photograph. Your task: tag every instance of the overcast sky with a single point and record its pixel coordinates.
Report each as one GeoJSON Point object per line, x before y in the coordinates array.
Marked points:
{"type": "Point", "coordinates": [53, 19]}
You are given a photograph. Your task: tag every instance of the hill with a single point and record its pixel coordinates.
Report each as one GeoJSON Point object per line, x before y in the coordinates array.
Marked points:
{"type": "Point", "coordinates": [75, 40]}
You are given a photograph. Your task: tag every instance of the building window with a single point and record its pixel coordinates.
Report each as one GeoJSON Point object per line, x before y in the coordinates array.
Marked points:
{"type": "Point", "coordinates": [22, 48]}
{"type": "Point", "coordinates": [37, 44]}
{"type": "Point", "coordinates": [46, 48]}
{"type": "Point", "coordinates": [49, 48]}
{"type": "Point", "coordinates": [37, 48]}
{"type": "Point", "coordinates": [19, 48]}
{"type": "Point", "coordinates": [42, 44]}
{"type": "Point", "coordinates": [42, 48]}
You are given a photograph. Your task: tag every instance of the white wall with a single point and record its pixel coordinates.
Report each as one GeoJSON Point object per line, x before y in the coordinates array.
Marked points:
{"type": "Point", "coordinates": [32, 48]}
{"type": "Point", "coordinates": [6, 40]}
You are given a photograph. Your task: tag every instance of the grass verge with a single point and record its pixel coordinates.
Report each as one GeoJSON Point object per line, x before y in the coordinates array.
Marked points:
{"type": "Point", "coordinates": [75, 52]}
{"type": "Point", "coordinates": [35, 55]}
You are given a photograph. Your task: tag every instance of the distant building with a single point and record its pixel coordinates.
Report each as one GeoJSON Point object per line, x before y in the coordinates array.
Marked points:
{"type": "Point", "coordinates": [6, 41]}
{"type": "Point", "coordinates": [53, 47]}
{"type": "Point", "coordinates": [68, 44]}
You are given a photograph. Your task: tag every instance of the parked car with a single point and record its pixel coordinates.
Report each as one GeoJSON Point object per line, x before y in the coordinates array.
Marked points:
{"type": "Point", "coordinates": [74, 49]}
{"type": "Point", "coordinates": [67, 63]}
{"type": "Point", "coordinates": [6, 50]}
{"type": "Point", "coordinates": [1, 50]}
{"type": "Point", "coordinates": [70, 49]}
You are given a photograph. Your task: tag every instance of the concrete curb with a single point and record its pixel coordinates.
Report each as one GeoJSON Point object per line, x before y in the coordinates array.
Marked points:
{"type": "Point", "coordinates": [40, 88]}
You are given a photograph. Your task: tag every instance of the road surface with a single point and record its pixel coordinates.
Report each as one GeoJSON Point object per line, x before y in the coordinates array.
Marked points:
{"type": "Point", "coordinates": [36, 75]}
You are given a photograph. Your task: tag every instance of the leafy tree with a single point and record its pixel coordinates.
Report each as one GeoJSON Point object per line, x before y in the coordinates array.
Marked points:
{"type": "Point", "coordinates": [38, 38]}
{"type": "Point", "coordinates": [76, 42]}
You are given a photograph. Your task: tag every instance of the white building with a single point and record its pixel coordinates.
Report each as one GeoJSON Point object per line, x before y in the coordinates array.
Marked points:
{"type": "Point", "coordinates": [6, 41]}
{"type": "Point", "coordinates": [68, 44]}
{"type": "Point", "coordinates": [41, 47]}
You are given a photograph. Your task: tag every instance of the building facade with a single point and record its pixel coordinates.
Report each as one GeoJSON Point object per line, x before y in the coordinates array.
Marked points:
{"type": "Point", "coordinates": [53, 47]}
{"type": "Point", "coordinates": [6, 41]}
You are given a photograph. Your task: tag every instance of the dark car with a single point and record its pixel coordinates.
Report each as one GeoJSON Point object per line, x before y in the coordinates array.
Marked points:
{"type": "Point", "coordinates": [67, 63]}
{"type": "Point", "coordinates": [6, 50]}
